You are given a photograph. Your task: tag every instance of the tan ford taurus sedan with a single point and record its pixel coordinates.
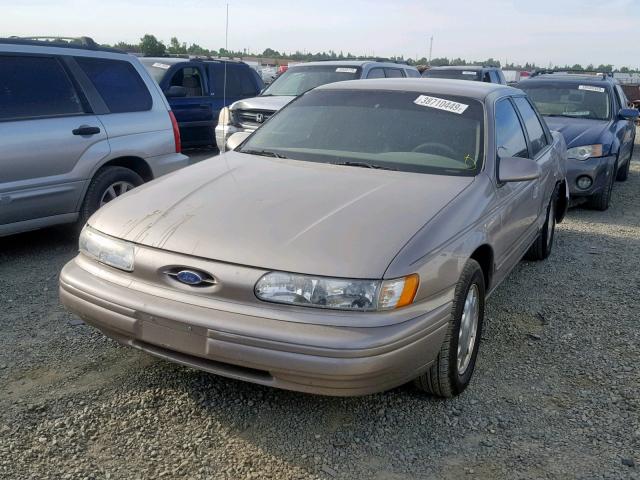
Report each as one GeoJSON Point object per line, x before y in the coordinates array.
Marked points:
{"type": "Point", "coordinates": [345, 247]}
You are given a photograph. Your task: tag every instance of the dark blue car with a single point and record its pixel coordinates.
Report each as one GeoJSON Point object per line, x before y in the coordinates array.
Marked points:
{"type": "Point", "coordinates": [196, 92]}
{"type": "Point", "coordinates": [593, 114]}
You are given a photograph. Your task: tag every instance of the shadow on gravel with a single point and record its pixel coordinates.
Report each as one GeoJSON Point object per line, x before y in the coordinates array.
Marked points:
{"type": "Point", "coordinates": [39, 241]}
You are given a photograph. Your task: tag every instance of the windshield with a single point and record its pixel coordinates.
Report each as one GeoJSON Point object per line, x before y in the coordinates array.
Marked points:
{"type": "Point", "coordinates": [394, 130]}
{"type": "Point", "coordinates": [454, 74]}
{"type": "Point", "coordinates": [156, 69]}
{"type": "Point", "coordinates": [576, 101]}
{"type": "Point", "coordinates": [298, 80]}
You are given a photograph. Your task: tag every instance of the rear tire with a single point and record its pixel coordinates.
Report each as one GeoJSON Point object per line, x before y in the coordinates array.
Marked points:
{"type": "Point", "coordinates": [451, 372]}
{"type": "Point", "coordinates": [118, 178]}
{"type": "Point", "coordinates": [600, 201]}
{"type": "Point", "coordinates": [541, 248]}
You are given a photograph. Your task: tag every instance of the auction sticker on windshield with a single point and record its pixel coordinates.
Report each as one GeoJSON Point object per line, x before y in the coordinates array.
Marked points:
{"type": "Point", "coordinates": [441, 104]}
{"type": "Point", "coordinates": [590, 88]}
{"type": "Point", "coordinates": [468, 72]}
{"type": "Point", "coordinates": [346, 70]}
{"type": "Point", "coordinates": [161, 65]}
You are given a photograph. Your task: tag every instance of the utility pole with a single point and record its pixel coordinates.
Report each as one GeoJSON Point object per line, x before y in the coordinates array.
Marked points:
{"type": "Point", "coordinates": [430, 49]}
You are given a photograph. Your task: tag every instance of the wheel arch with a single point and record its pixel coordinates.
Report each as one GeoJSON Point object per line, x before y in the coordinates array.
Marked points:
{"type": "Point", "coordinates": [485, 257]}
{"type": "Point", "coordinates": [137, 164]}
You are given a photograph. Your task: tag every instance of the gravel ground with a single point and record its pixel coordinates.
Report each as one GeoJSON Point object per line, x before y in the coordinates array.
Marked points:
{"type": "Point", "coordinates": [556, 392]}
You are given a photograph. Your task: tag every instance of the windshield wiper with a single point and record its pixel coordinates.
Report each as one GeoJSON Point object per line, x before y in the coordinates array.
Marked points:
{"type": "Point", "coordinates": [364, 165]}
{"type": "Point", "coordinates": [263, 153]}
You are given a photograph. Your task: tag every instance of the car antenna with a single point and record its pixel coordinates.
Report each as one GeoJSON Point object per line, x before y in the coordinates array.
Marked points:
{"type": "Point", "coordinates": [224, 87]}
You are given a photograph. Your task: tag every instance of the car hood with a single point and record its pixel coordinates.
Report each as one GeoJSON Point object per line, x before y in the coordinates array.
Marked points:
{"type": "Point", "coordinates": [278, 214]}
{"type": "Point", "coordinates": [578, 131]}
{"type": "Point", "coordinates": [267, 103]}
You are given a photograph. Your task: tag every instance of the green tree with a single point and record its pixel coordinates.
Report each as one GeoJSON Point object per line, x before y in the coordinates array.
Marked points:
{"type": "Point", "coordinates": [177, 48]}
{"type": "Point", "coordinates": [150, 46]}
{"type": "Point", "coordinates": [268, 52]}
{"type": "Point", "coordinates": [127, 47]}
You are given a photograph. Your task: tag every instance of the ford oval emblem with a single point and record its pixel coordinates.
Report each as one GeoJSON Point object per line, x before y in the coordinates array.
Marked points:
{"type": "Point", "coordinates": [189, 277]}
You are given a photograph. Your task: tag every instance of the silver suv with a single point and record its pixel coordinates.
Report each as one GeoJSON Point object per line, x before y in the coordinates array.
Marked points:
{"type": "Point", "coordinates": [79, 126]}
{"type": "Point", "coordinates": [248, 114]}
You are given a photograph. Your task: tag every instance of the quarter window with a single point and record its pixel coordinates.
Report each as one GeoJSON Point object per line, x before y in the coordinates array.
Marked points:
{"type": "Point", "coordinates": [536, 133]}
{"type": "Point", "coordinates": [393, 73]}
{"type": "Point", "coordinates": [118, 83]}
{"type": "Point", "coordinates": [32, 87]}
{"type": "Point", "coordinates": [376, 73]}
{"type": "Point", "coordinates": [510, 139]}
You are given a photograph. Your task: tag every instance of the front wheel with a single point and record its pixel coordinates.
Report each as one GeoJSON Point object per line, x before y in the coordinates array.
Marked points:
{"type": "Point", "coordinates": [108, 184]}
{"type": "Point", "coordinates": [451, 372]}
{"type": "Point", "coordinates": [600, 201]}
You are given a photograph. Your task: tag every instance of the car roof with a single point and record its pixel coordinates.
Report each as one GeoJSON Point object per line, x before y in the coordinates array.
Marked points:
{"type": "Point", "coordinates": [175, 60]}
{"type": "Point", "coordinates": [462, 88]}
{"type": "Point", "coordinates": [463, 67]}
{"type": "Point", "coordinates": [351, 63]}
{"type": "Point", "coordinates": [80, 43]}
{"type": "Point", "coordinates": [584, 79]}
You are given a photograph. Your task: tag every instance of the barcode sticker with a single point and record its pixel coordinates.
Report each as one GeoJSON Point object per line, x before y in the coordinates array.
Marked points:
{"type": "Point", "coordinates": [441, 104]}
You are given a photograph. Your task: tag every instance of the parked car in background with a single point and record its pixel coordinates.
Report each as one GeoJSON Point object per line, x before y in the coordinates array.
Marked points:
{"type": "Point", "coordinates": [247, 115]}
{"type": "Point", "coordinates": [467, 72]}
{"type": "Point", "coordinates": [79, 125]}
{"type": "Point", "coordinates": [399, 204]}
{"type": "Point", "coordinates": [196, 91]}
{"type": "Point", "coordinates": [593, 114]}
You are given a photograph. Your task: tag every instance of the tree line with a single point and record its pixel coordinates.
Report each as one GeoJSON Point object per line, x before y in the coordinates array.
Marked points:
{"type": "Point", "coordinates": [150, 46]}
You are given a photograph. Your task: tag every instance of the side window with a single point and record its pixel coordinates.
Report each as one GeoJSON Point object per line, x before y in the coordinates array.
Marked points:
{"type": "Point", "coordinates": [486, 77]}
{"type": "Point", "coordinates": [510, 140]}
{"type": "Point", "coordinates": [32, 87]}
{"type": "Point", "coordinates": [494, 76]}
{"type": "Point", "coordinates": [624, 101]}
{"type": "Point", "coordinates": [412, 73]}
{"type": "Point", "coordinates": [118, 83]}
{"type": "Point", "coordinates": [536, 133]}
{"type": "Point", "coordinates": [191, 79]}
{"type": "Point", "coordinates": [394, 73]}
{"type": "Point", "coordinates": [376, 73]}
{"type": "Point", "coordinates": [240, 81]}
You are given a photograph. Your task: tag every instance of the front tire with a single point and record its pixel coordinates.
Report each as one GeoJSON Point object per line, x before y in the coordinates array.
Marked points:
{"type": "Point", "coordinates": [108, 184]}
{"type": "Point", "coordinates": [600, 201]}
{"type": "Point", "coordinates": [453, 368]}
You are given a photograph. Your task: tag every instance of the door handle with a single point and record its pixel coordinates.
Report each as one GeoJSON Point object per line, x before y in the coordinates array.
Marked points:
{"type": "Point", "coordinates": [85, 130]}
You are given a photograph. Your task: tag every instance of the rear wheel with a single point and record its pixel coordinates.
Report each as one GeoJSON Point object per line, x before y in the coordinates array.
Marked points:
{"type": "Point", "coordinates": [541, 248]}
{"type": "Point", "coordinates": [108, 184]}
{"type": "Point", "coordinates": [600, 201]}
{"type": "Point", "coordinates": [451, 372]}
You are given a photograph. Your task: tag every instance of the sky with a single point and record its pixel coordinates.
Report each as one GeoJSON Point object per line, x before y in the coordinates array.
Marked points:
{"type": "Point", "coordinates": [543, 31]}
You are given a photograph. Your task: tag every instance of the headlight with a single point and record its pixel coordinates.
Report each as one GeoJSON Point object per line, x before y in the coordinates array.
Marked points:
{"type": "Point", "coordinates": [226, 117]}
{"type": "Point", "coordinates": [337, 293]}
{"type": "Point", "coordinates": [108, 250]}
{"type": "Point", "coordinates": [585, 152]}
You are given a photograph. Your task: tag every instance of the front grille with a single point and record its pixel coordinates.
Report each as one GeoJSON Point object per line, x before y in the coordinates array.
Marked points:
{"type": "Point", "coordinates": [251, 118]}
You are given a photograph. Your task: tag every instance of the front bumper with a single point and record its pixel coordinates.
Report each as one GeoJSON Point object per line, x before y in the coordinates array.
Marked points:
{"type": "Point", "coordinates": [598, 169]}
{"type": "Point", "coordinates": [322, 359]}
{"type": "Point", "coordinates": [223, 132]}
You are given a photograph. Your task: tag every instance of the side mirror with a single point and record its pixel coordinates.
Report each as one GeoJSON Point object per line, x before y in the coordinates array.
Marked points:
{"type": "Point", "coordinates": [516, 169]}
{"type": "Point", "coordinates": [175, 91]}
{"type": "Point", "coordinates": [236, 139]}
{"type": "Point", "coordinates": [629, 113]}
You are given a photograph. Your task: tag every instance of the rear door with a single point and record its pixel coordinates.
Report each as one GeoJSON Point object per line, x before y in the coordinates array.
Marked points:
{"type": "Point", "coordinates": [625, 129]}
{"type": "Point", "coordinates": [46, 129]}
{"type": "Point", "coordinates": [195, 112]}
{"type": "Point", "coordinates": [539, 150]}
